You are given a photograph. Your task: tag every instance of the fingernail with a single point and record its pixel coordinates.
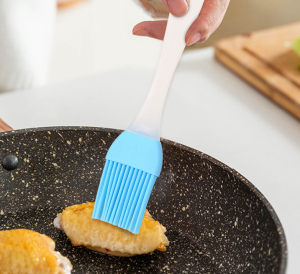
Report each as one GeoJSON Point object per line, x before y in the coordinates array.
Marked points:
{"type": "Point", "coordinates": [140, 32]}
{"type": "Point", "coordinates": [194, 38]}
{"type": "Point", "coordinates": [178, 8]}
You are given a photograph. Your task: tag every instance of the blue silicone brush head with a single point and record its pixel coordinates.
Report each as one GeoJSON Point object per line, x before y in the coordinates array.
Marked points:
{"type": "Point", "coordinates": [133, 163]}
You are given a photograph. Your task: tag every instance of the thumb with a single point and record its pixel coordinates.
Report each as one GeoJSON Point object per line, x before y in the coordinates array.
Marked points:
{"type": "Point", "coordinates": [176, 7]}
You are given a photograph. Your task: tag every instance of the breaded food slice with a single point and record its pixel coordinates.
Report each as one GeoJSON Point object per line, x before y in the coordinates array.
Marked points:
{"type": "Point", "coordinates": [24, 251]}
{"type": "Point", "coordinates": [76, 221]}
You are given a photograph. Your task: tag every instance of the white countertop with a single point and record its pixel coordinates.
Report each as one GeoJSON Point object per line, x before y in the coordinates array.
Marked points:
{"type": "Point", "coordinates": [208, 108]}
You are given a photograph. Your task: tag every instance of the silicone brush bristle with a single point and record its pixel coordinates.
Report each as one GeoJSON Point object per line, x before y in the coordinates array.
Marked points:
{"type": "Point", "coordinates": [123, 195]}
{"type": "Point", "coordinates": [133, 162]}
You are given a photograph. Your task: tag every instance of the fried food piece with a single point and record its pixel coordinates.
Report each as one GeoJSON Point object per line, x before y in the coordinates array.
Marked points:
{"type": "Point", "coordinates": [76, 221]}
{"type": "Point", "coordinates": [24, 251]}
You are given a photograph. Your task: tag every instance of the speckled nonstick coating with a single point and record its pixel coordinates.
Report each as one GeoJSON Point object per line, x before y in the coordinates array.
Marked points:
{"type": "Point", "coordinates": [217, 221]}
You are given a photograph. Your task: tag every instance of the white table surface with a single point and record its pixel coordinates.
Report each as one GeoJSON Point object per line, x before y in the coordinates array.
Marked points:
{"type": "Point", "coordinates": [208, 108]}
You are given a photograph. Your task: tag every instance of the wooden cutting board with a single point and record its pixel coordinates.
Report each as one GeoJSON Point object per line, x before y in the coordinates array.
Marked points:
{"type": "Point", "coordinates": [265, 60]}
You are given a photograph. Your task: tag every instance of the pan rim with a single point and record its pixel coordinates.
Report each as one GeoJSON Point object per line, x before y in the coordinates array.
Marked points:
{"type": "Point", "coordinates": [263, 199]}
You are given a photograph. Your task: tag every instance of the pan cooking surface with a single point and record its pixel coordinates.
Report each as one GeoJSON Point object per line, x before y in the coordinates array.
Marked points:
{"type": "Point", "coordinates": [217, 221]}
{"type": "Point", "coordinates": [86, 261]}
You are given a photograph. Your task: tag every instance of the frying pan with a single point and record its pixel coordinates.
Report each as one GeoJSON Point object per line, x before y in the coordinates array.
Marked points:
{"type": "Point", "coordinates": [217, 221]}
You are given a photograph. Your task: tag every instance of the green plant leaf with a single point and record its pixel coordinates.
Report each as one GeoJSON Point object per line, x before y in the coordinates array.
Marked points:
{"type": "Point", "coordinates": [296, 45]}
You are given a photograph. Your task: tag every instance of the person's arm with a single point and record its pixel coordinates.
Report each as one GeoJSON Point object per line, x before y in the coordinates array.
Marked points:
{"type": "Point", "coordinates": [210, 17]}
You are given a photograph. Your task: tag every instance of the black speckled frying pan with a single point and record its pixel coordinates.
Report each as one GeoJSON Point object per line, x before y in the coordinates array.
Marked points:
{"type": "Point", "coordinates": [217, 221]}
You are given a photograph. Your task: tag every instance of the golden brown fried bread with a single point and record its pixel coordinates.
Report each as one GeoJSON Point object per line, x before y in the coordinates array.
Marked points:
{"type": "Point", "coordinates": [76, 221]}
{"type": "Point", "coordinates": [24, 251]}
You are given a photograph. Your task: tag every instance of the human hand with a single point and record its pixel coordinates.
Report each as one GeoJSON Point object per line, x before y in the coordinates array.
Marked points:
{"type": "Point", "coordinates": [209, 19]}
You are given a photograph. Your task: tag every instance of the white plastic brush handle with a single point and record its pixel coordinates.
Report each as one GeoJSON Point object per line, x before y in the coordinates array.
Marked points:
{"type": "Point", "coordinates": [147, 122]}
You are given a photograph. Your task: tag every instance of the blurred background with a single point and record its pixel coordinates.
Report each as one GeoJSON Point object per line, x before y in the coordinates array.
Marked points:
{"type": "Point", "coordinates": [92, 36]}
{"type": "Point", "coordinates": [90, 39]}
{"type": "Point", "coordinates": [245, 16]}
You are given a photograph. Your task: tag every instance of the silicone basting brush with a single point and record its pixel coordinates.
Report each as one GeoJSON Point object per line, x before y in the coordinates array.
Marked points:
{"type": "Point", "coordinates": [134, 160]}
